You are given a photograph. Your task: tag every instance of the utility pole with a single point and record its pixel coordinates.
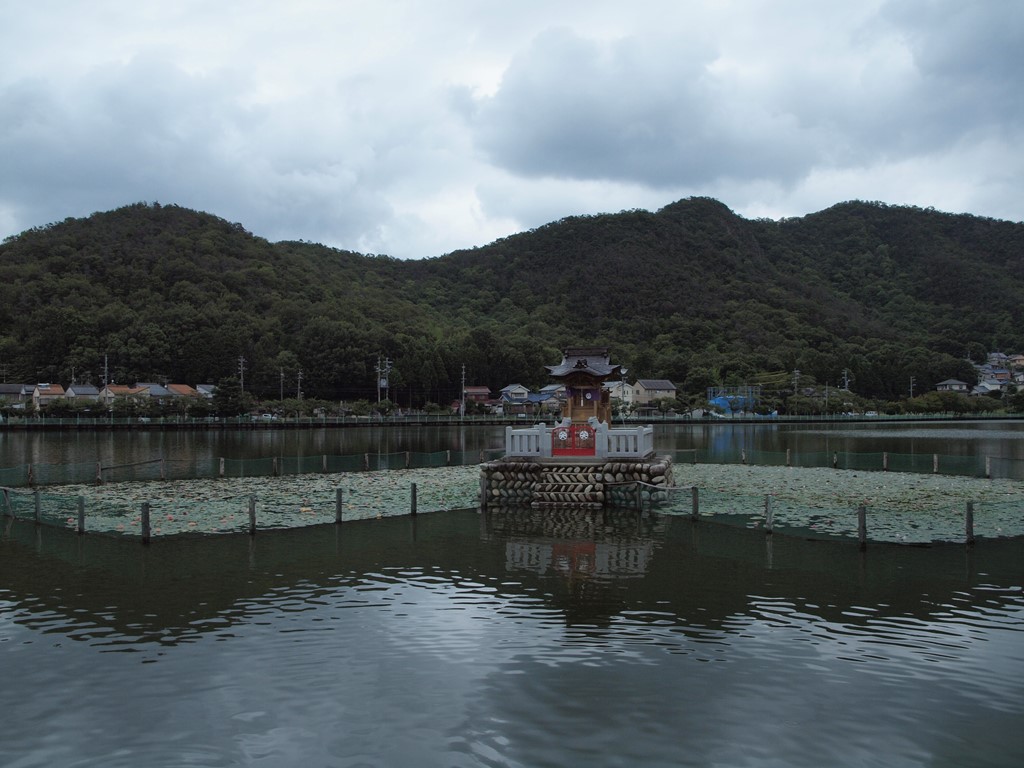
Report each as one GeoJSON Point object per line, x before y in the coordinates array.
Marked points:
{"type": "Point", "coordinates": [846, 379]}
{"type": "Point", "coordinates": [796, 380]}
{"type": "Point", "coordinates": [911, 387]}
{"type": "Point", "coordinates": [298, 393]}
{"type": "Point", "coordinates": [462, 399]}
{"type": "Point", "coordinates": [382, 369]}
{"type": "Point", "coordinates": [241, 373]}
{"type": "Point", "coordinates": [106, 371]}
{"type": "Point", "coordinates": [281, 398]}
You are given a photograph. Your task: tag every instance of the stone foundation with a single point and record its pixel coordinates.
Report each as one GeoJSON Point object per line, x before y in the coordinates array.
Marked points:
{"type": "Point", "coordinates": [565, 483]}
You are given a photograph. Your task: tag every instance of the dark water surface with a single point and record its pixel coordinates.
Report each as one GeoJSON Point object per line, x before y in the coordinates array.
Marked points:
{"type": "Point", "coordinates": [508, 639]}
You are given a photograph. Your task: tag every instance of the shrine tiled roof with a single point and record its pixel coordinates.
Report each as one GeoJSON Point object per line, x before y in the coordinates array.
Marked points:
{"type": "Point", "coordinates": [586, 360]}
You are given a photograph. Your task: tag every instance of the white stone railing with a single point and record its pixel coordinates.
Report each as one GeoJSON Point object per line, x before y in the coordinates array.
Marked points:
{"type": "Point", "coordinates": [632, 443]}
{"type": "Point", "coordinates": [621, 443]}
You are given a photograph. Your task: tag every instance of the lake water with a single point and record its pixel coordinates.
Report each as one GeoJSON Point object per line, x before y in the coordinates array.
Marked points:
{"type": "Point", "coordinates": [998, 439]}
{"type": "Point", "coordinates": [467, 639]}
{"type": "Point", "coordinates": [508, 639]}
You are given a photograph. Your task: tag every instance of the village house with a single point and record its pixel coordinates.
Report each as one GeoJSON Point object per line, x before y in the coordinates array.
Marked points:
{"type": "Point", "coordinates": [83, 393]}
{"type": "Point", "coordinates": [952, 385]}
{"type": "Point", "coordinates": [44, 394]}
{"type": "Point", "coordinates": [112, 392]}
{"type": "Point", "coordinates": [647, 391]}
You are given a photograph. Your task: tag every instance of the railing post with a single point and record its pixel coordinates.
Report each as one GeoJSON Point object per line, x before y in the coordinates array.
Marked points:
{"type": "Point", "coordinates": [145, 522]}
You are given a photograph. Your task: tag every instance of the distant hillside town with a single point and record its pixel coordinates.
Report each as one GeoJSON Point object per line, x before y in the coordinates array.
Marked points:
{"type": "Point", "coordinates": [1000, 378]}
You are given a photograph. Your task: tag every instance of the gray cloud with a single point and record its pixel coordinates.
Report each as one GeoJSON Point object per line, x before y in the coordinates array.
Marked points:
{"type": "Point", "coordinates": [592, 110]}
{"type": "Point", "coordinates": [413, 131]}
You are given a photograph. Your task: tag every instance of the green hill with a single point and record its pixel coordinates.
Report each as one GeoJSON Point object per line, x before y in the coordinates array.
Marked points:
{"type": "Point", "coordinates": [693, 293]}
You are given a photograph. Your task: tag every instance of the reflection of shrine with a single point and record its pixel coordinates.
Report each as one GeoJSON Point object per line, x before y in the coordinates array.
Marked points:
{"type": "Point", "coordinates": [577, 461]}
{"type": "Point", "coordinates": [575, 543]}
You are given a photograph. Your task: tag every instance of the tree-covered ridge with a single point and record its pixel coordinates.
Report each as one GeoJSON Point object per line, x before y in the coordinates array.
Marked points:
{"type": "Point", "coordinates": [692, 293]}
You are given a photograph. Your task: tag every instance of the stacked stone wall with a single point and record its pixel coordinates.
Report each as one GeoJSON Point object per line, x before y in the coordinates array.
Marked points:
{"type": "Point", "coordinates": [611, 483]}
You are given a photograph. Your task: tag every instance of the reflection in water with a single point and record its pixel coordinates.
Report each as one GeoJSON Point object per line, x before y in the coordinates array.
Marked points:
{"type": "Point", "coordinates": [508, 638]}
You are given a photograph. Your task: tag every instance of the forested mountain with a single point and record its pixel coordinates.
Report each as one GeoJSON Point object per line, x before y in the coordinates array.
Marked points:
{"type": "Point", "coordinates": [693, 293]}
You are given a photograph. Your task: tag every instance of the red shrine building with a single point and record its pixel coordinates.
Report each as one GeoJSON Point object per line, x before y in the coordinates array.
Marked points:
{"type": "Point", "coordinates": [582, 372]}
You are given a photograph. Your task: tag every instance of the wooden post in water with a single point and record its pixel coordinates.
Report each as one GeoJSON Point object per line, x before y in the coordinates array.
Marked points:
{"type": "Point", "coordinates": [695, 502]}
{"type": "Point", "coordinates": [274, 467]}
{"type": "Point", "coordinates": [639, 498]}
{"type": "Point", "coordinates": [835, 460]}
{"type": "Point", "coordinates": [81, 514]}
{"type": "Point", "coordinates": [38, 505]}
{"type": "Point", "coordinates": [339, 505]}
{"type": "Point", "coordinates": [366, 461]}
{"type": "Point", "coordinates": [788, 462]}
{"type": "Point", "coordinates": [145, 522]}
{"type": "Point", "coordinates": [99, 474]}
{"type": "Point", "coordinates": [769, 514]}
{"type": "Point", "coordinates": [31, 479]}
{"type": "Point", "coordinates": [252, 515]}
{"type": "Point", "coordinates": [448, 458]}
{"type": "Point", "coordinates": [413, 499]}
{"type": "Point", "coordinates": [988, 467]}
{"type": "Point", "coordinates": [483, 490]}
{"type": "Point", "coordinates": [885, 461]}
{"type": "Point", "coordinates": [935, 463]}
{"type": "Point", "coordinates": [407, 459]}
{"type": "Point", "coordinates": [862, 527]}
{"type": "Point", "coordinates": [324, 463]}
{"type": "Point", "coordinates": [743, 455]}
{"type": "Point", "coordinates": [163, 470]}
{"type": "Point", "coordinates": [969, 524]}
{"type": "Point", "coordinates": [8, 510]}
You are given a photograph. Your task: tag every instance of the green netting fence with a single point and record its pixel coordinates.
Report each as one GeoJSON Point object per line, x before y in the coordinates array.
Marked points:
{"type": "Point", "coordinates": [945, 521]}
{"type": "Point", "coordinates": [145, 510]}
{"type": "Point", "coordinates": [31, 475]}
{"type": "Point", "coordinates": [885, 461]}
{"type": "Point", "coordinates": [218, 495]}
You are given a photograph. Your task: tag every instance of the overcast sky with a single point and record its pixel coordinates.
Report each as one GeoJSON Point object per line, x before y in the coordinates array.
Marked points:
{"type": "Point", "coordinates": [413, 128]}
